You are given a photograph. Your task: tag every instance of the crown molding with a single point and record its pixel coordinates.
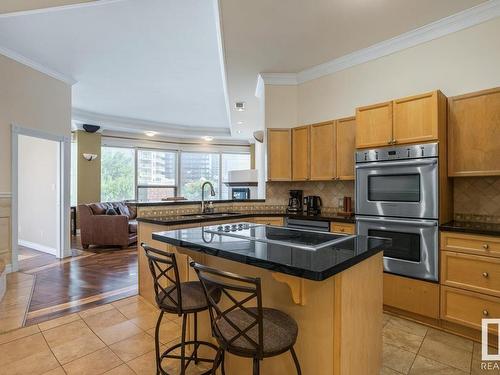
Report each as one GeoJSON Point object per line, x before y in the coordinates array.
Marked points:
{"type": "Point", "coordinates": [37, 66]}
{"type": "Point", "coordinates": [125, 124]}
{"type": "Point", "coordinates": [434, 30]}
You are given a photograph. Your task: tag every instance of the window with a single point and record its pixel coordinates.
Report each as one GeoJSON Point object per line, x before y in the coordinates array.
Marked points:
{"type": "Point", "coordinates": [232, 162]}
{"type": "Point", "coordinates": [196, 168]}
{"type": "Point", "coordinates": [156, 174]}
{"type": "Point", "coordinates": [117, 174]}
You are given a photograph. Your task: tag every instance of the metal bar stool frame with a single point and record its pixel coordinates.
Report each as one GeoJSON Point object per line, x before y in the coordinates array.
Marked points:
{"type": "Point", "coordinates": [156, 259]}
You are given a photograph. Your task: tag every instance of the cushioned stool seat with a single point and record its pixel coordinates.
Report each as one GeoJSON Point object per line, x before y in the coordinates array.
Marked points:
{"type": "Point", "coordinates": [192, 295]}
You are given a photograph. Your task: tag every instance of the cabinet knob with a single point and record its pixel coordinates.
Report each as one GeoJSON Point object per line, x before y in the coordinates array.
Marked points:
{"type": "Point", "coordinates": [486, 246]}
{"type": "Point", "coordinates": [389, 142]}
{"type": "Point", "coordinates": [486, 313]}
{"type": "Point", "coordinates": [485, 274]}
{"type": "Point", "coordinates": [342, 229]}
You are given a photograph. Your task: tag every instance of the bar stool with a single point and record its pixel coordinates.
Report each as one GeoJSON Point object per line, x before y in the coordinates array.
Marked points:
{"type": "Point", "coordinates": [182, 298]}
{"type": "Point", "coordinates": [252, 332]}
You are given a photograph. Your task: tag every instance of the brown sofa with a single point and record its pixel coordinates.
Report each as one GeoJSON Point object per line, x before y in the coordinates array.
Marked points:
{"type": "Point", "coordinates": [101, 229]}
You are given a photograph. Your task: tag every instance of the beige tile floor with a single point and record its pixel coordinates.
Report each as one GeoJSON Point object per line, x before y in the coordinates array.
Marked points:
{"type": "Point", "coordinates": [118, 339]}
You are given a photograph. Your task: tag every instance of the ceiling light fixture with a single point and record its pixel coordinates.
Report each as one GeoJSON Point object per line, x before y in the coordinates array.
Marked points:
{"type": "Point", "coordinates": [240, 123]}
{"type": "Point", "coordinates": [150, 133]}
{"type": "Point", "coordinates": [208, 138]}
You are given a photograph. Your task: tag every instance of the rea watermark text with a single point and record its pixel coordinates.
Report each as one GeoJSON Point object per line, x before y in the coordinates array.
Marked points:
{"type": "Point", "coordinates": [490, 361]}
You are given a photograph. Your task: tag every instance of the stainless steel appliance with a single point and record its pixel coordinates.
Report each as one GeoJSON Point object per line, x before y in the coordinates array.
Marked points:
{"type": "Point", "coordinates": [240, 193]}
{"type": "Point", "coordinates": [316, 225]}
{"type": "Point", "coordinates": [414, 249]}
{"type": "Point", "coordinates": [397, 197]}
{"type": "Point", "coordinates": [295, 201]}
{"type": "Point", "coordinates": [313, 204]}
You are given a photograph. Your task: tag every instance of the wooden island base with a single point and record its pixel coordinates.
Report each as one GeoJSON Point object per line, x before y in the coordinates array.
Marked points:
{"type": "Point", "coordinates": [339, 319]}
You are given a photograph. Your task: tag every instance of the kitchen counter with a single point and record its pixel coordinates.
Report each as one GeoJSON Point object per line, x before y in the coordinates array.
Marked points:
{"type": "Point", "coordinates": [188, 219]}
{"type": "Point", "coordinates": [489, 229]}
{"type": "Point", "coordinates": [186, 202]}
{"type": "Point", "coordinates": [316, 265]}
{"type": "Point", "coordinates": [334, 293]}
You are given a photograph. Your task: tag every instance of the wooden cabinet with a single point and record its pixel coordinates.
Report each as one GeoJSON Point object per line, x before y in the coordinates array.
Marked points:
{"type": "Point", "coordinates": [414, 119]}
{"type": "Point", "coordinates": [374, 125]}
{"type": "Point", "coordinates": [278, 221]}
{"type": "Point", "coordinates": [474, 134]}
{"type": "Point", "coordinates": [346, 146]}
{"type": "Point", "coordinates": [279, 156]}
{"type": "Point", "coordinates": [323, 151]}
{"type": "Point", "coordinates": [467, 308]}
{"type": "Point", "coordinates": [419, 118]}
{"type": "Point", "coordinates": [415, 296]}
{"type": "Point", "coordinates": [344, 228]}
{"type": "Point", "coordinates": [300, 153]}
{"type": "Point", "coordinates": [471, 244]}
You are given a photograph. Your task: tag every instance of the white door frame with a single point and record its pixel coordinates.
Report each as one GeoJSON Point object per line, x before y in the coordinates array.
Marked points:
{"type": "Point", "coordinates": [63, 244]}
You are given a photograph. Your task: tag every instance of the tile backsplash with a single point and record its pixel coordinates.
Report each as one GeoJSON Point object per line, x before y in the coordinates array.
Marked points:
{"type": "Point", "coordinates": [477, 199]}
{"type": "Point", "coordinates": [329, 191]}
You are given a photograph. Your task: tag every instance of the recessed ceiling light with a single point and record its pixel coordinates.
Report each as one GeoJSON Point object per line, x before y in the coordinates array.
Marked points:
{"type": "Point", "coordinates": [150, 133]}
{"type": "Point", "coordinates": [238, 131]}
{"type": "Point", "coordinates": [208, 138]}
{"type": "Point", "coordinates": [240, 122]}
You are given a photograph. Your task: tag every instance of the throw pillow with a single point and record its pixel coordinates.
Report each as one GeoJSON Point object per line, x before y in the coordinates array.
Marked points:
{"type": "Point", "coordinates": [111, 211]}
{"type": "Point", "coordinates": [123, 210]}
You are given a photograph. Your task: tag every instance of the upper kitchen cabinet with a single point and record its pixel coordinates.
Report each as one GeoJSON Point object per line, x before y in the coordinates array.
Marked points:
{"type": "Point", "coordinates": [419, 118]}
{"type": "Point", "coordinates": [345, 146]}
{"type": "Point", "coordinates": [300, 153]}
{"type": "Point", "coordinates": [474, 134]}
{"type": "Point", "coordinates": [415, 119]}
{"type": "Point", "coordinates": [323, 151]}
{"type": "Point", "coordinates": [374, 125]}
{"type": "Point", "coordinates": [279, 157]}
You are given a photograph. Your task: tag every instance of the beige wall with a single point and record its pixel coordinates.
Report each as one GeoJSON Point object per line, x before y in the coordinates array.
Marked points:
{"type": "Point", "coordinates": [281, 106]}
{"type": "Point", "coordinates": [38, 193]}
{"type": "Point", "coordinates": [32, 100]}
{"type": "Point", "coordinates": [8, 6]}
{"type": "Point", "coordinates": [88, 172]}
{"type": "Point", "coordinates": [457, 63]}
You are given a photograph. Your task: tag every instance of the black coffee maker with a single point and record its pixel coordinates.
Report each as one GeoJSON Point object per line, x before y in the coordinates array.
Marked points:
{"type": "Point", "coordinates": [295, 202]}
{"type": "Point", "coordinates": [313, 204]}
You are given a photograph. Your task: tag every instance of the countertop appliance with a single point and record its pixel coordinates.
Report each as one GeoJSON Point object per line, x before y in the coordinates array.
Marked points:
{"type": "Point", "coordinates": [313, 204]}
{"type": "Point", "coordinates": [397, 197]}
{"type": "Point", "coordinates": [240, 193]}
{"type": "Point", "coordinates": [295, 201]}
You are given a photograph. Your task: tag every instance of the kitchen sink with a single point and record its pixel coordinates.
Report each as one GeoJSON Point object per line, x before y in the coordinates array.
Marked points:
{"type": "Point", "coordinates": [212, 215]}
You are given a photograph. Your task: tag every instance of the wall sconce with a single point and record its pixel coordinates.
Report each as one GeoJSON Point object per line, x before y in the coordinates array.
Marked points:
{"type": "Point", "coordinates": [89, 157]}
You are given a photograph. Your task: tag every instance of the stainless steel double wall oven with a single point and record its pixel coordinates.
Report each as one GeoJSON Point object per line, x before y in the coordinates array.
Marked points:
{"type": "Point", "coordinates": [397, 196]}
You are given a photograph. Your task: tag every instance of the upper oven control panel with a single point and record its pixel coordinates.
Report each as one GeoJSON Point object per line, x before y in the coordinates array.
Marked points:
{"type": "Point", "coordinates": [426, 150]}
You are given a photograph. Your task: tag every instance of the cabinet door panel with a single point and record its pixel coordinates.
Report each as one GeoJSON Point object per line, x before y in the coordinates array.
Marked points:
{"type": "Point", "coordinates": [374, 125]}
{"type": "Point", "coordinates": [416, 118]}
{"type": "Point", "coordinates": [300, 153]}
{"type": "Point", "coordinates": [323, 151]}
{"type": "Point", "coordinates": [279, 159]}
{"type": "Point", "coordinates": [346, 146]}
{"type": "Point", "coordinates": [474, 134]}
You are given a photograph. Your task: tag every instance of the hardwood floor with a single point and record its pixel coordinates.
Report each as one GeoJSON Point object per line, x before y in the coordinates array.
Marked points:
{"type": "Point", "coordinates": [87, 279]}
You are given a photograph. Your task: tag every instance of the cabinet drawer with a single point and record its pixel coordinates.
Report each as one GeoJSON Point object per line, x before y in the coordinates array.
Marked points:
{"type": "Point", "coordinates": [467, 308]}
{"type": "Point", "coordinates": [476, 273]}
{"type": "Point", "coordinates": [342, 228]}
{"type": "Point", "coordinates": [278, 221]}
{"type": "Point", "coordinates": [471, 244]}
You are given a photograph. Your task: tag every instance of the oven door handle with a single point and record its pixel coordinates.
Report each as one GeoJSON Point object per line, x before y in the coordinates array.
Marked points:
{"type": "Point", "coordinates": [402, 163]}
{"type": "Point", "coordinates": [421, 223]}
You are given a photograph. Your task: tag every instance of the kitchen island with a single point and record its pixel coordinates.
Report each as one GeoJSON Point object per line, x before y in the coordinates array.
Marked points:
{"type": "Point", "coordinates": [334, 292]}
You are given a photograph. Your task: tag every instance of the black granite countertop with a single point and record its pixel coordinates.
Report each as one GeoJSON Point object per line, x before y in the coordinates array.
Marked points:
{"type": "Point", "coordinates": [186, 202]}
{"type": "Point", "coordinates": [490, 229]}
{"type": "Point", "coordinates": [316, 265]}
{"type": "Point", "coordinates": [187, 219]}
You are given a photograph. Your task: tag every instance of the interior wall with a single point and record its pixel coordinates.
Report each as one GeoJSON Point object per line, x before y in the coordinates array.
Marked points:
{"type": "Point", "coordinates": [9, 6]}
{"type": "Point", "coordinates": [32, 100]}
{"type": "Point", "coordinates": [38, 179]}
{"type": "Point", "coordinates": [458, 63]}
{"type": "Point", "coordinates": [281, 106]}
{"type": "Point", "coordinates": [88, 172]}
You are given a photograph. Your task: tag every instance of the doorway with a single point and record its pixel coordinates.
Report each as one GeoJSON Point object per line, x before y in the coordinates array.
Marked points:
{"type": "Point", "coordinates": [40, 199]}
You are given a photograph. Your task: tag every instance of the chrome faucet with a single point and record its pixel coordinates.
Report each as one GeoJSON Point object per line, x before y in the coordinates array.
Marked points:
{"type": "Point", "coordinates": [206, 210]}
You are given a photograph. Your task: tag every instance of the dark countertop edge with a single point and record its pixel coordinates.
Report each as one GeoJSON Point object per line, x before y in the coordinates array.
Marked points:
{"type": "Point", "coordinates": [180, 203]}
{"type": "Point", "coordinates": [176, 220]}
{"type": "Point", "coordinates": [471, 227]}
{"type": "Point", "coordinates": [269, 265]}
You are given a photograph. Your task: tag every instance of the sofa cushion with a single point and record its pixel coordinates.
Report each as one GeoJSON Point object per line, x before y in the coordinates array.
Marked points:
{"type": "Point", "coordinates": [99, 208]}
{"type": "Point", "coordinates": [133, 211]}
{"type": "Point", "coordinates": [132, 226]}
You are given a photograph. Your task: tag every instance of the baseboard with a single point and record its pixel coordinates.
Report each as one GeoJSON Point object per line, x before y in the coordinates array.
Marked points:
{"type": "Point", "coordinates": [37, 246]}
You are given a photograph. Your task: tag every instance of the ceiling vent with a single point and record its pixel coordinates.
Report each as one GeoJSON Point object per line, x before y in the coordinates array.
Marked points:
{"type": "Point", "coordinates": [239, 106]}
